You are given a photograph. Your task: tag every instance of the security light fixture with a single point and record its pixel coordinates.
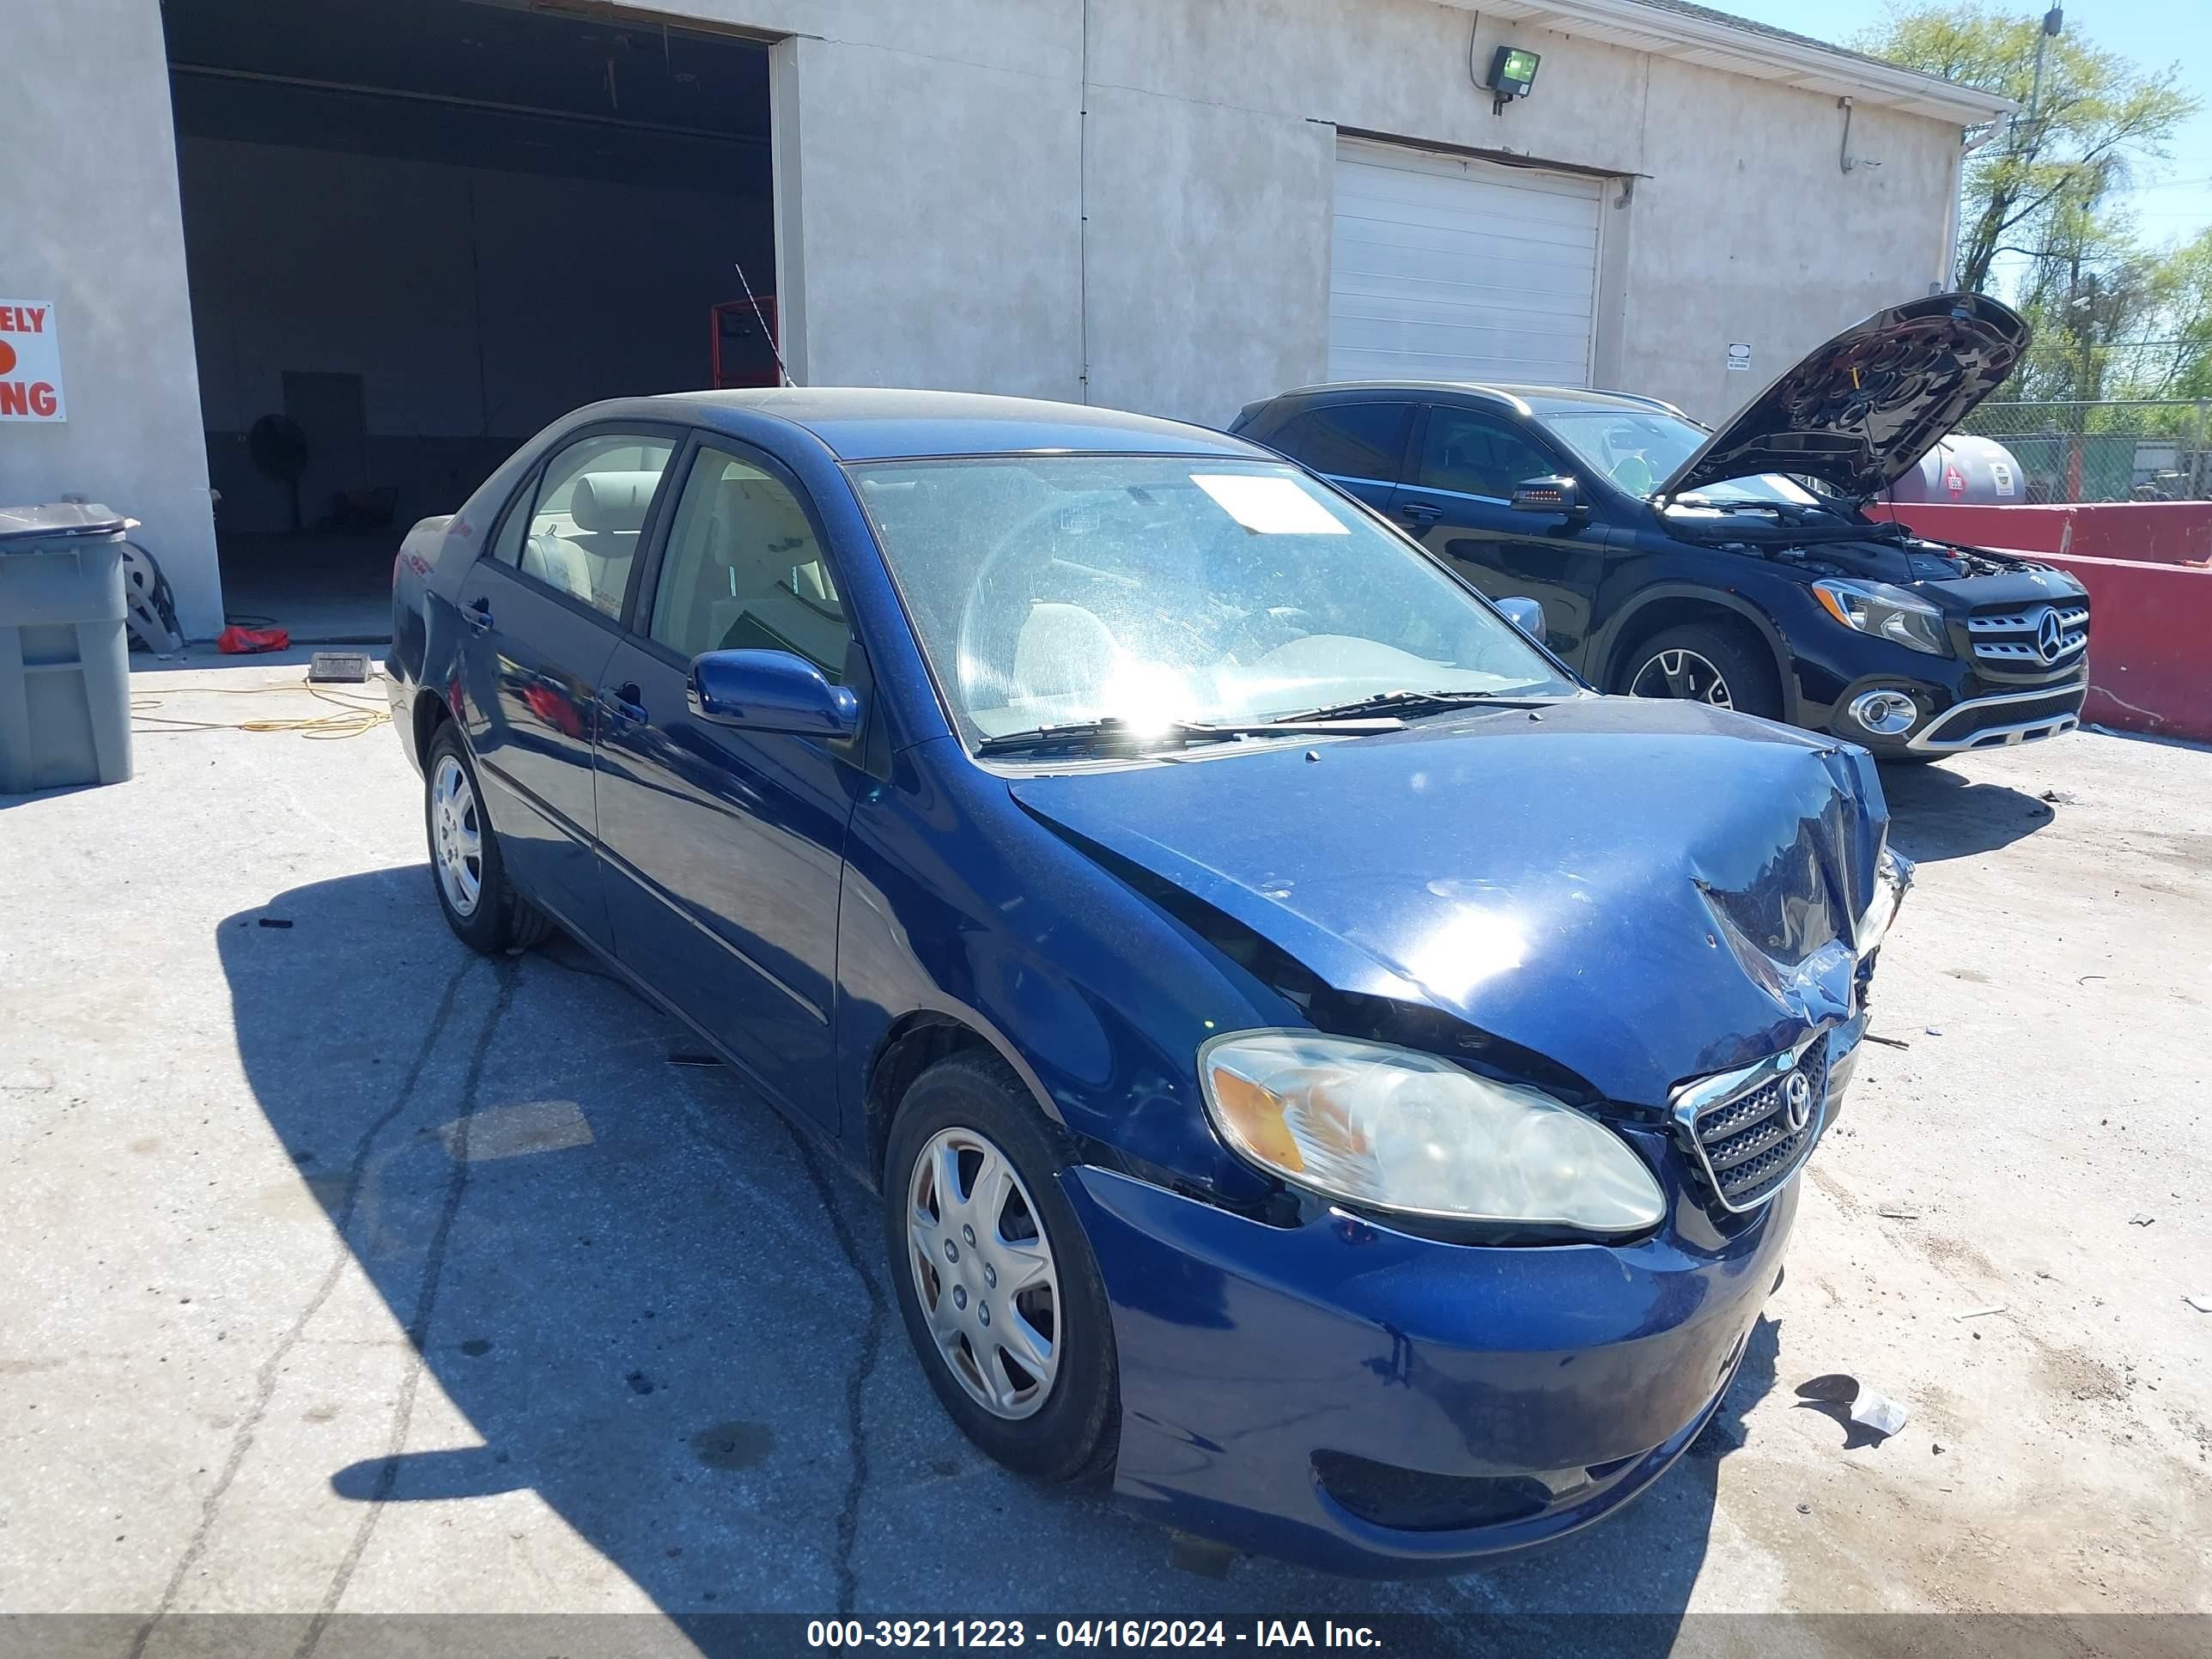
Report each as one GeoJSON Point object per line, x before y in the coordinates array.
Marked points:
{"type": "Point", "coordinates": [1513, 74]}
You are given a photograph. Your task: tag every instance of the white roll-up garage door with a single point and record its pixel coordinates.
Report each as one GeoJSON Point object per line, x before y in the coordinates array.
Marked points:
{"type": "Point", "coordinates": [1445, 268]}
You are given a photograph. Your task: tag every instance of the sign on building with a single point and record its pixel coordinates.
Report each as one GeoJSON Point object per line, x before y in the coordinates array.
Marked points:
{"type": "Point", "coordinates": [30, 361]}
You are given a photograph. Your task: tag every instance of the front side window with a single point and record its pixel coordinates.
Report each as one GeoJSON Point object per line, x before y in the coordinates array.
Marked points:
{"type": "Point", "coordinates": [744, 571]}
{"type": "Point", "coordinates": [1155, 589]}
{"type": "Point", "coordinates": [1347, 440]}
{"type": "Point", "coordinates": [1475, 455]}
{"type": "Point", "coordinates": [589, 511]}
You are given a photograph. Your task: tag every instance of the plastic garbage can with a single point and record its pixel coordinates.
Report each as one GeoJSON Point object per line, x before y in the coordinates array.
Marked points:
{"type": "Point", "coordinates": [65, 655]}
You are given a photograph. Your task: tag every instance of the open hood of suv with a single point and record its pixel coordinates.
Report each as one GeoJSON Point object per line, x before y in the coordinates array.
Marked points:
{"type": "Point", "coordinates": [1861, 411]}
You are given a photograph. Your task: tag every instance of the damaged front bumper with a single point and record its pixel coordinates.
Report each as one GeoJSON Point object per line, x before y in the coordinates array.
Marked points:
{"type": "Point", "coordinates": [1365, 1401]}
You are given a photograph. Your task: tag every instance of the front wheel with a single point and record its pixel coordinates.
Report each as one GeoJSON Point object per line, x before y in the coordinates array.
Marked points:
{"type": "Point", "coordinates": [467, 868]}
{"type": "Point", "coordinates": [1699, 663]}
{"type": "Point", "coordinates": [994, 1276]}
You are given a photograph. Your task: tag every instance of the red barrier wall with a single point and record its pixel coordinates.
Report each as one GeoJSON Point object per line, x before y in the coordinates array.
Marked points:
{"type": "Point", "coordinates": [2147, 532]}
{"type": "Point", "coordinates": [2150, 645]}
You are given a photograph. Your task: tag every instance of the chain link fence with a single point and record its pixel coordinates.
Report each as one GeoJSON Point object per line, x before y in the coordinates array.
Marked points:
{"type": "Point", "coordinates": [2111, 450]}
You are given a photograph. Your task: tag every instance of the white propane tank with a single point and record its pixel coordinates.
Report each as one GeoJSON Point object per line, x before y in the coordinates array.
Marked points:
{"type": "Point", "coordinates": [1968, 472]}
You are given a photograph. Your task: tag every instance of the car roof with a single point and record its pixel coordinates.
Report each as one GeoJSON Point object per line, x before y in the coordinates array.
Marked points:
{"type": "Point", "coordinates": [1524, 398]}
{"type": "Point", "coordinates": [868, 423]}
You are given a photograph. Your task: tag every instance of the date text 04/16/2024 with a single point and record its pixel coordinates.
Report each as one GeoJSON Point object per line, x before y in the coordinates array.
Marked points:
{"type": "Point", "coordinates": [1086, 1633]}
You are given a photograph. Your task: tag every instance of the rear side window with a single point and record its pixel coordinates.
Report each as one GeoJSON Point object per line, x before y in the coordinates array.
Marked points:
{"type": "Point", "coordinates": [1475, 455]}
{"type": "Point", "coordinates": [591, 510]}
{"type": "Point", "coordinates": [1347, 440]}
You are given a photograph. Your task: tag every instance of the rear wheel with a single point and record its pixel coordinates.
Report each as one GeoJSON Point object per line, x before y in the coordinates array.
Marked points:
{"type": "Point", "coordinates": [1708, 662]}
{"type": "Point", "coordinates": [994, 1276]}
{"type": "Point", "coordinates": [481, 905]}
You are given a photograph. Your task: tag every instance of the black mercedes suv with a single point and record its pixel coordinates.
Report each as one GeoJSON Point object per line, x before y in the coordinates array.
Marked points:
{"type": "Point", "coordinates": [1735, 567]}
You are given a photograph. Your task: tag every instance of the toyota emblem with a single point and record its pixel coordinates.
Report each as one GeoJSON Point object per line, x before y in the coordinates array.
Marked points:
{"type": "Point", "coordinates": [1797, 1102]}
{"type": "Point", "coordinates": [2050, 635]}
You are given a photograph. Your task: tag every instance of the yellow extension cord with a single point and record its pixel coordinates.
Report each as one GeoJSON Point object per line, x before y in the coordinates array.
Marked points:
{"type": "Point", "coordinates": [354, 718]}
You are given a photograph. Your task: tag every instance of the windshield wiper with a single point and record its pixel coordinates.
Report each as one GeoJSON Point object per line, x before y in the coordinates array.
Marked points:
{"type": "Point", "coordinates": [1076, 734]}
{"type": "Point", "coordinates": [1412, 703]}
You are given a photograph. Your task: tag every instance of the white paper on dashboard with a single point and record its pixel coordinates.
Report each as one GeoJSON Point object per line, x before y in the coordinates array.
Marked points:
{"type": "Point", "coordinates": [1271, 506]}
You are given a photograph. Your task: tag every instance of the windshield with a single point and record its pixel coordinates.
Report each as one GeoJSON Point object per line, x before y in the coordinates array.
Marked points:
{"type": "Point", "coordinates": [1048, 590]}
{"type": "Point", "coordinates": [1640, 449]}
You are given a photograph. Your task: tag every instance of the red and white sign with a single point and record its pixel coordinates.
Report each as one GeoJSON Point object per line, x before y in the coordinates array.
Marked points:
{"type": "Point", "coordinates": [30, 361]}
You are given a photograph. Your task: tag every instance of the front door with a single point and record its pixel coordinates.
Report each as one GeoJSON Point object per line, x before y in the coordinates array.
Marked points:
{"type": "Point", "coordinates": [725, 849]}
{"type": "Point", "coordinates": [540, 611]}
{"type": "Point", "coordinates": [1457, 498]}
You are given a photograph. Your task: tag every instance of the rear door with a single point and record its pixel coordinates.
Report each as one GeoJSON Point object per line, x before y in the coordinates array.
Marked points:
{"type": "Point", "coordinates": [1457, 498]}
{"type": "Point", "coordinates": [542, 613]}
{"type": "Point", "coordinates": [725, 849]}
{"type": "Point", "coordinates": [1359, 445]}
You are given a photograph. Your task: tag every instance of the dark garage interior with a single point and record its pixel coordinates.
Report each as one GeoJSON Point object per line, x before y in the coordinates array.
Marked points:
{"type": "Point", "coordinates": [416, 231]}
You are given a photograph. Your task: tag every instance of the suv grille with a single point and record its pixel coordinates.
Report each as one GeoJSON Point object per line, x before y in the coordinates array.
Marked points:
{"type": "Point", "coordinates": [1749, 1143]}
{"type": "Point", "coordinates": [2030, 636]}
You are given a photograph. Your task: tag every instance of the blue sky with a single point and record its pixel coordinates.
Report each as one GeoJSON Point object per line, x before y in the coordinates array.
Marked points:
{"type": "Point", "coordinates": [2174, 198]}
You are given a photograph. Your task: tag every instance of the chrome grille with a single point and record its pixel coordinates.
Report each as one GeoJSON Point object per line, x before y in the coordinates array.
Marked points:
{"type": "Point", "coordinates": [1745, 1145]}
{"type": "Point", "coordinates": [2016, 635]}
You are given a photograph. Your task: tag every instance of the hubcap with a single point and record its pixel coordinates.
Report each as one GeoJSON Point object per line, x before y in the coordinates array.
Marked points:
{"type": "Point", "coordinates": [456, 836]}
{"type": "Point", "coordinates": [1682, 674]}
{"type": "Point", "coordinates": [984, 1273]}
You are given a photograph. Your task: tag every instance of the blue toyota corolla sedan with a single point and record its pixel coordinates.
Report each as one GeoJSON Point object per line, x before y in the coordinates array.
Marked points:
{"type": "Point", "coordinates": [1327, 1070]}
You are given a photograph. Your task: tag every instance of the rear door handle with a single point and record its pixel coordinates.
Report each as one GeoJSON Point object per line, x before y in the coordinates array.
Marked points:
{"type": "Point", "coordinates": [478, 615]}
{"type": "Point", "coordinates": [625, 702]}
{"type": "Point", "coordinates": [1420, 515]}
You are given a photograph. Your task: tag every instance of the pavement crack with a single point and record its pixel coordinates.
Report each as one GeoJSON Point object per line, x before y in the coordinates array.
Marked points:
{"type": "Point", "coordinates": [267, 1373]}
{"type": "Point", "coordinates": [426, 1308]}
{"type": "Point", "coordinates": [856, 1384]}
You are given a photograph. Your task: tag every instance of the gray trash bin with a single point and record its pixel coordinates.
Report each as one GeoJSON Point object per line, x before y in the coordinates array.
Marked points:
{"type": "Point", "coordinates": [64, 656]}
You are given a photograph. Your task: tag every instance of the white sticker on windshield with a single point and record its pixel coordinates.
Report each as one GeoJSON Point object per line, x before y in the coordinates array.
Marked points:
{"type": "Point", "coordinates": [1270, 505]}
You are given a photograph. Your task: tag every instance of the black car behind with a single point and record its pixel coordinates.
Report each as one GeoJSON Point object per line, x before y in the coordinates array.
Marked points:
{"type": "Point", "coordinates": [1737, 567]}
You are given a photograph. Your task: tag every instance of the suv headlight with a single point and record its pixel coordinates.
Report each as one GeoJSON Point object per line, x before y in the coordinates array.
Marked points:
{"type": "Point", "coordinates": [1401, 1130]}
{"type": "Point", "coordinates": [1890, 612]}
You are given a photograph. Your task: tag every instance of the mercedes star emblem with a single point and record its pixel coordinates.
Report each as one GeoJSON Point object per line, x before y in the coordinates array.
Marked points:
{"type": "Point", "coordinates": [2050, 635]}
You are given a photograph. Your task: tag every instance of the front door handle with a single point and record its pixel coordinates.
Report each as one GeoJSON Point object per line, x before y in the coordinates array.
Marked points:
{"type": "Point", "coordinates": [479, 615]}
{"type": "Point", "coordinates": [625, 702]}
{"type": "Point", "coordinates": [1420, 515]}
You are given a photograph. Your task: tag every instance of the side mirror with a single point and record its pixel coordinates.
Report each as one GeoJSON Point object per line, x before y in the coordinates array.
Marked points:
{"type": "Point", "coordinates": [771, 691]}
{"type": "Point", "coordinates": [1557, 495]}
{"type": "Point", "coordinates": [1526, 615]}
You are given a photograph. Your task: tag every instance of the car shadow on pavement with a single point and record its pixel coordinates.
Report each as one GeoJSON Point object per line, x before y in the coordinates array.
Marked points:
{"type": "Point", "coordinates": [1937, 814]}
{"type": "Point", "coordinates": [626, 1286]}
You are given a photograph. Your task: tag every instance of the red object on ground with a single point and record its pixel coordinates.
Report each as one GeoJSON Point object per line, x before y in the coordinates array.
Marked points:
{"type": "Point", "coordinates": [2145, 533]}
{"type": "Point", "coordinates": [2150, 645]}
{"type": "Point", "coordinates": [238, 641]}
{"type": "Point", "coordinates": [2145, 564]}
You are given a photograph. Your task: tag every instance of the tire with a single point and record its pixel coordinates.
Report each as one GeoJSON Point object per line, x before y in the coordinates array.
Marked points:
{"type": "Point", "coordinates": [1683, 662]}
{"type": "Point", "coordinates": [493, 918]}
{"type": "Point", "coordinates": [1066, 1426]}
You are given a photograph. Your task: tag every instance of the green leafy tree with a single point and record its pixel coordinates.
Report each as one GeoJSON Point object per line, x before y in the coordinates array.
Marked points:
{"type": "Point", "coordinates": [2096, 112]}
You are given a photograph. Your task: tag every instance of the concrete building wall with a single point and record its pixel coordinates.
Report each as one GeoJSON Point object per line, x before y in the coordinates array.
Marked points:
{"type": "Point", "coordinates": [1126, 200]}
{"type": "Point", "coordinates": [88, 219]}
{"type": "Point", "coordinates": [940, 147]}
{"type": "Point", "coordinates": [1748, 229]}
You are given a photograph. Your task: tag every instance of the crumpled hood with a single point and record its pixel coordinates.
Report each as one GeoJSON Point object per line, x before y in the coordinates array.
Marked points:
{"type": "Point", "coordinates": [1860, 412]}
{"type": "Point", "coordinates": [1643, 892]}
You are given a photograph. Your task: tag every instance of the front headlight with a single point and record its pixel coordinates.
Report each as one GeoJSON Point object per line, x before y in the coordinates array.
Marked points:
{"type": "Point", "coordinates": [1889, 612]}
{"type": "Point", "coordinates": [1402, 1130]}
